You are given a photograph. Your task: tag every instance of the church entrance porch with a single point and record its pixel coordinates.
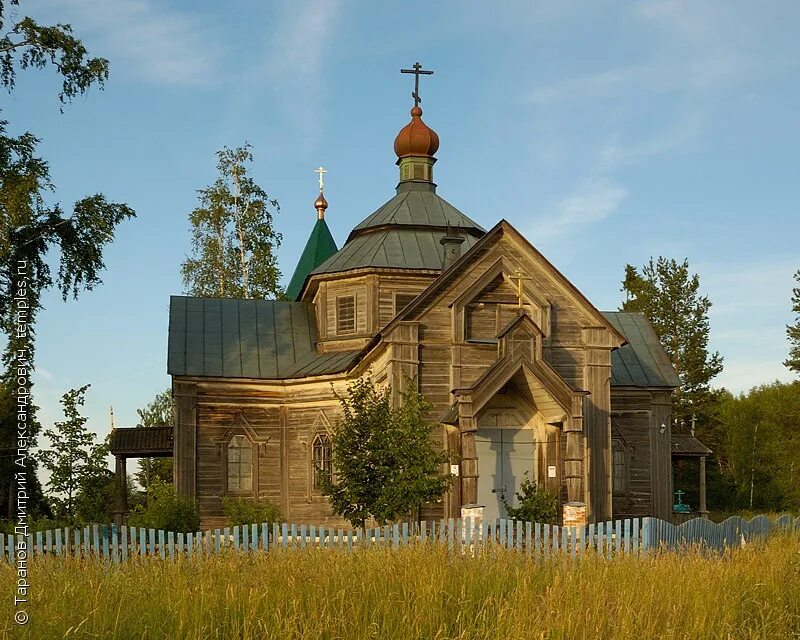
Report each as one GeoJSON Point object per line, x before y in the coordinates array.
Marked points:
{"type": "Point", "coordinates": [513, 442]}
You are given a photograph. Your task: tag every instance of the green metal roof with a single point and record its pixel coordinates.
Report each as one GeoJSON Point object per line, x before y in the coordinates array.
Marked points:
{"type": "Point", "coordinates": [642, 362]}
{"type": "Point", "coordinates": [231, 338]}
{"type": "Point", "coordinates": [404, 233]}
{"type": "Point", "coordinates": [319, 248]}
{"type": "Point", "coordinates": [418, 205]}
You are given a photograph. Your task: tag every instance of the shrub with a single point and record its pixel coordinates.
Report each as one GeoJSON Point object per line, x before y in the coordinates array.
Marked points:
{"type": "Point", "coordinates": [166, 510]}
{"type": "Point", "coordinates": [535, 503]}
{"type": "Point", "coordinates": [241, 511]}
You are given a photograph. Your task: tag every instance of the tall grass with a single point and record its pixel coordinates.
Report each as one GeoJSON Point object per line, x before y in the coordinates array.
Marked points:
{"type": "Point", "coordinates": [416, 593]}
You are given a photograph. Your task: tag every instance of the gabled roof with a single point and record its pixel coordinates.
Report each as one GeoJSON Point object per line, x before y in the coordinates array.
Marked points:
{"type": "Point", "coordinates": [318, 249]}
{"type": "Point", "coordinates": [266, 339]}
{"type": "Point", "coordinates": [453, 272]}
{"type": "Point", "coordinates": [642, 362]}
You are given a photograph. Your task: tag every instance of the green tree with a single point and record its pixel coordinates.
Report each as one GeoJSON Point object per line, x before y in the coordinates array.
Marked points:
{"type": "Point", "coordinates": [793, 330]}
{"type": "Point", "coordinates": [759, 446]}
{"type": "Point", "coordinates": [35, 233]}
{"type": "Point", "coordinates": [385, 465]}
{"type": "Point", "coordinates": [158, 413]}
{"type": "Point", "coordinates": [233, 240]}
{"type": "Point", "coordinates": [669, 296]}
{"type": "Point", "coordinates": [166, 510]}
{"type": "Point", "coordinates": [75, 458]}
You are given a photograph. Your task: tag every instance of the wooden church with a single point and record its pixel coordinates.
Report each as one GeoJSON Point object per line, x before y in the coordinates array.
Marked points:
{"type": "Point", "coordinates": [524, 373]}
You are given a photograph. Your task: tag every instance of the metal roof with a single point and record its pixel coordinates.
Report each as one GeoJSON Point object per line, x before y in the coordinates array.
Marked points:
{"type": "Point", "coordinates": [642, 362]}
{"type": "Point", "coordinates": [392, 247]}
{"type": "Point", "coordinates": [142, 442]}
{"type": "Point", "coordinates": [231, 338]}
{"type": "Point", "coordinates": [418, 204]}
{"type": "Point", "coordinates": [404, 233]}
{"type": "Point", "coordinates": [318, 249]}
{"type": "Point", "coordinates": [689, 446]}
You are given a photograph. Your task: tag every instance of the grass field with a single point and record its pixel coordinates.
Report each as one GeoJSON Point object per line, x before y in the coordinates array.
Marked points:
{"type": "Point", "coordinates": [416, 593]}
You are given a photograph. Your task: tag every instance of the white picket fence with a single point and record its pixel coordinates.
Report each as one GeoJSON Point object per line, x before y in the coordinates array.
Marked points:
{"type": "Point", "coordinates": [632, 537]}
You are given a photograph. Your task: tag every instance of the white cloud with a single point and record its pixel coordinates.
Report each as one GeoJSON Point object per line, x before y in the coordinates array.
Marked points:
{"type": "Point", "coordinates": [159, 44]}
{"type": "Point", "coordinates": [291, 67]}
{"type": "Point", "coordinates": [591, 202]}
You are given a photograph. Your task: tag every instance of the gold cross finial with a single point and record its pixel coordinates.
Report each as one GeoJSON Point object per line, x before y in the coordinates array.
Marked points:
{"type": "Point", "coordinates": [519, 278]}
{"type": "Point", "coordinates": [321, 173]}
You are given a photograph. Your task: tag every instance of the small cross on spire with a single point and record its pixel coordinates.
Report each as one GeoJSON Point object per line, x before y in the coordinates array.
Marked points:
{"type": "Point", "coordinates": [321, 173]}
{"type": "Point", "coordinates": [417, 70]}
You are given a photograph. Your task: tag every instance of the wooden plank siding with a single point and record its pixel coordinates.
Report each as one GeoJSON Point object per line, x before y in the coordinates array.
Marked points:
{"type": "Point", "coordinates": [431, 344]}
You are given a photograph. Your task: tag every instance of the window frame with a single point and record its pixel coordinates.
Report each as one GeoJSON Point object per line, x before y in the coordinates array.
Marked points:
{"type": "Point", "coordinates": [325, 438]}
{"type": "Point", "coordinates": [252, 491]}
{"type": "Point", "coordinates": [339, 330]}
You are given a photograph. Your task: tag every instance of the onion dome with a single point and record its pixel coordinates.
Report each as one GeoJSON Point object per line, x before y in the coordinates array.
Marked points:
{"type": "Point", "coordinates": [320, 204]}
{"type": "Point", "coordinates": [416, 138]}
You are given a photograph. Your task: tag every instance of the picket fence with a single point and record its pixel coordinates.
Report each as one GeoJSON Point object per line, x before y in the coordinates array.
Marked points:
{"type": "Point", "coordinates": [633, 537]}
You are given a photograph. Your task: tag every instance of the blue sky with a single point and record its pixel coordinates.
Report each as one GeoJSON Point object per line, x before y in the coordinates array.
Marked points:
{"type": "Point", "coordinates": [606, 132]}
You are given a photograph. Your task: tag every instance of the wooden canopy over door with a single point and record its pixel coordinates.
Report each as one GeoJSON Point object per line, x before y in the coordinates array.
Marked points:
{"type": "Point", "coordinates": [136, 442]}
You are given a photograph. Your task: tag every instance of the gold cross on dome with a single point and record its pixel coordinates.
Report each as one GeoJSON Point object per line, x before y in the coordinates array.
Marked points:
{"type": "Point", "coordinates": [321, 173]}
{"type": "Point", "coordinates": [519, 278]}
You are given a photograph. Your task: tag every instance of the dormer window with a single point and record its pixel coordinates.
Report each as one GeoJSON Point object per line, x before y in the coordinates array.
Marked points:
{"type": "Point", "coordinates": [345, 315]}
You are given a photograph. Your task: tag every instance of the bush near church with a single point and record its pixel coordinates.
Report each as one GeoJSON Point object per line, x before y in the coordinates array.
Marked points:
{"type": "Point", "coordinates": [242, 511]}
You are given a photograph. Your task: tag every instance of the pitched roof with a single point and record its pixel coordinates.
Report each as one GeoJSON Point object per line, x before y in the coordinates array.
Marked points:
{"type": "Point", "coordinates": [318, 249]}
{"type": "Point", "coordinates": [453, 272]}
{"type": "Point", "coordinates": [404, 233]}
{"type": "Point", "coordinates": [642, 362]}
{"type": "Point", "coordinates": [141, 441]}
{"type": "Point", "coordinates": [231, 338]}
{"type": "Point", "coordinates": [686, 445]}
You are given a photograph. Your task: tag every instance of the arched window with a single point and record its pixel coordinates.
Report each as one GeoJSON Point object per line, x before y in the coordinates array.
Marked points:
{"type": "Point", "coordinates": [240, 465]}
{"type": "Point", "coordinates": [321, 459]}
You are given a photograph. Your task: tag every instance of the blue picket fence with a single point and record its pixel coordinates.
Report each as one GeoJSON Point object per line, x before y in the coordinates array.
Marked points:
{"type": "Point", "coordinates": [629, 537]}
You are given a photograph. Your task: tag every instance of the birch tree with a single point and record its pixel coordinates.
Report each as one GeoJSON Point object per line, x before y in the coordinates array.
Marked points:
{"type": "Point", "coordinates": [233, 237]}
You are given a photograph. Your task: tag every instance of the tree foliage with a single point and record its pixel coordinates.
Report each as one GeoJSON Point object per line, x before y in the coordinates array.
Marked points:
{"type": "Point", "coordinates": [166, 510]}
{"type": "Point", "coordinates": [75, 459]}
{"type": "Point", "coordinates": [793, 330]}
{"type": "Point", "coordinates": [158, 413]}
{"type": "Point", "coordinates": [669, 296]}
{"type": "Point", "coordinates": [384, 461]}
{"type": "Point", "coordinates": [27, 44]}
{"type": "Point", "coordinates": [757, 445]}
{"type": "Point", "coordinates": [534, 503]}
{"type": "Point", "coordinates": [233, 238]}
{"type": "Point", "coordinates": [243, 511]}
{"type": "Point", "coordinates": [36, 235]}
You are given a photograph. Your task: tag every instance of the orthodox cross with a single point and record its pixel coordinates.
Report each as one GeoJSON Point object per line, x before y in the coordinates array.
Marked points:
{"type": "Point", "coordinates": [417, 70]}
{"type": "Point", "coordinates": [518, 278]}
{"type": "Point", "coordinates": [321, 173]}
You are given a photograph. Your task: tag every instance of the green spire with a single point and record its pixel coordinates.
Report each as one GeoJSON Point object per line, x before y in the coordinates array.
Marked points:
{"type": "Point", "coordinates": [319, 248]}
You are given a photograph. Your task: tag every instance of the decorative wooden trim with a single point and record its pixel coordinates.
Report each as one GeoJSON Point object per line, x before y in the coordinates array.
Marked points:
{"type": "Point", "coordinates": [240, 426]}
{"type": "Point", "coordinates": [321, 426]}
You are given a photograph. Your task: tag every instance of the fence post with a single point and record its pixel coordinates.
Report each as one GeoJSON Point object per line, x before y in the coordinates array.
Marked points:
{"type": "Point", "coordinates": [646, 526]}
